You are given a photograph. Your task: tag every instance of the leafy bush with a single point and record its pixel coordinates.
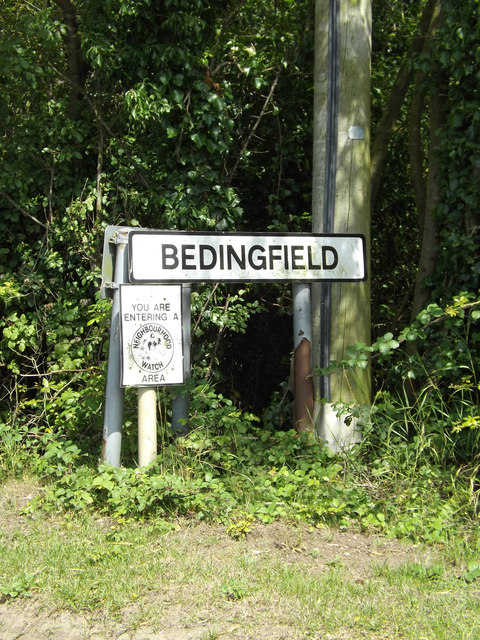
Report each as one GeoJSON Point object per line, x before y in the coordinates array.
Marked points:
{"type": "Point", "coordinates": [231, 470]}
{"type": "Point", "coordinates": [141, 137]}
{"type": "Point", "coordinates": [428, 383]}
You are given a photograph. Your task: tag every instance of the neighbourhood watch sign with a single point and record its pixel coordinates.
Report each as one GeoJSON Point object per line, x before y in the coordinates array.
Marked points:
{"type": "Point", "coordinates": [151, 325]}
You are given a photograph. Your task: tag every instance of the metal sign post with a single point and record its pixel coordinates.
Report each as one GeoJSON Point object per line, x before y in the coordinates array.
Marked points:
{"type": "Point", "coordinates": [114, 273]}
{"type": "Point", "coordinates": [181, 402]}
{"type": "Point", "coordinates": [147, 425]}
{"type": "Point", "coordinates": [302, 357]}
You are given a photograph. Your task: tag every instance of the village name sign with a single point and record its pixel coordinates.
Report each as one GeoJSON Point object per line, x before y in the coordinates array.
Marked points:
{"type": "Point", "coordinates": [151, 314]}
{"type": "Point", "coordinates": [162, 256]}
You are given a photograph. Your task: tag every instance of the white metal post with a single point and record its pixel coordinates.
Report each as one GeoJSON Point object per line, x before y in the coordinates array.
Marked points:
{"type": "Point", "coordinates": [147, 425]}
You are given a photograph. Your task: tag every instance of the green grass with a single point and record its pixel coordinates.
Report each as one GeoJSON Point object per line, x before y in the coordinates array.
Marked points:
{"type": "Point", "coordinates": [139, 574]}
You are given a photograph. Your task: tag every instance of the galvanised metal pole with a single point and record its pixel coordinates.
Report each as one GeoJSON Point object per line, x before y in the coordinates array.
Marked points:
{"type": "Point", "coordinates": [181, 403]}
{"type": "Point", "coordinates": [115, 394]}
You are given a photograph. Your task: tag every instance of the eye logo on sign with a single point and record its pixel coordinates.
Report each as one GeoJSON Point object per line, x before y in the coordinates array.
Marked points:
{"type": "Point", "coordinates": [152, 347]}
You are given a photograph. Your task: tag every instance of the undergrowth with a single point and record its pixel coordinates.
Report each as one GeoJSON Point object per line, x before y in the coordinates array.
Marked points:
{"type": "Point", "coordinates": [249, 474]}
{"type": "Point", "coordinates": [414, 475]}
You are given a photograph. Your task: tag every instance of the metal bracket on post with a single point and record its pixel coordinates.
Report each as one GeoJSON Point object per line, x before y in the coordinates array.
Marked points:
{"type": "Point", "coordinates": [116, 261]}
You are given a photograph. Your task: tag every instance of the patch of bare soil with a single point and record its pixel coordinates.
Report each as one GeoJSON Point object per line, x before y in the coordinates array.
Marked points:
{"type": "Point", "coordinates": [177, 614]}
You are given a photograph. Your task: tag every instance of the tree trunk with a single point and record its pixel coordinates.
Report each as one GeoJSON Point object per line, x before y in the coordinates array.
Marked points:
{"type": "Point", "coordinates": [76, 62]}
{"type": "Point", "coordinates": [429, 242]}
{"type": "Point", "coordinates": [415, 149]}
{"type": "Point", "coordinates": [429, 238]}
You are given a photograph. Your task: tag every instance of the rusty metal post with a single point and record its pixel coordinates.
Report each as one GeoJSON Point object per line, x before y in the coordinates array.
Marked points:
{"type": "Point", "coordinates": [302, 345]}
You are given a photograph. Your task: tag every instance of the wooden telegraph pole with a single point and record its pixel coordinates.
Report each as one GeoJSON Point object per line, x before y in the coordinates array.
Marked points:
{"type": "Point", "coordinates": [340, 201]}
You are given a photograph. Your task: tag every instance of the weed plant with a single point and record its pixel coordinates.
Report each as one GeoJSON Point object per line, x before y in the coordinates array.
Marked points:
{"type": "Point", "coordinates": [248, 473]}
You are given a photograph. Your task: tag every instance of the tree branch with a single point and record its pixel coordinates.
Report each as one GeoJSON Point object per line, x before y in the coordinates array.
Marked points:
{"type": "Point", "coordinates": [21, 209]}
{"type": "Point", "coordinates": [76, 63]}
{"type": "Point", "coordinates": [415, 151]}
{"type": "Point", "coordinates": [107, 128]}
{"type": "Point", "coordinates": [226, 22]}
{"type": "Point", "coordinates": [397, 97]}
{"type": "Point", "coordinates": [255, 126]}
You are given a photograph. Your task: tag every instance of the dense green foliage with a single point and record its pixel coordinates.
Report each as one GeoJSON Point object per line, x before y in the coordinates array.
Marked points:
{"type": "Point", "coordinates": [412, 477]}
{"type": "Point", "coordinates": [121, 122]}
{"type": "Point", "coordinates": [197, 115]}
{"type": "Point", "coordinates": [394, 221]}
{"type": "Point", "coordinates": [456, 54]}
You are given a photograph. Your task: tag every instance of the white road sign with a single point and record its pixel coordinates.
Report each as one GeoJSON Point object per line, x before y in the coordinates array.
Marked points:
{"type": "Point", "coordinates": [164, 256]}
{"type": "Point", "coordinates": [151, 326]}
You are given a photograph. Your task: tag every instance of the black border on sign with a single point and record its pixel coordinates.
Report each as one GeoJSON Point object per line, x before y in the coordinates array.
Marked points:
{"type": "Point", "coordinates": [163, 384]}
{"type": "Point", "coordinates": [239, 234]}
